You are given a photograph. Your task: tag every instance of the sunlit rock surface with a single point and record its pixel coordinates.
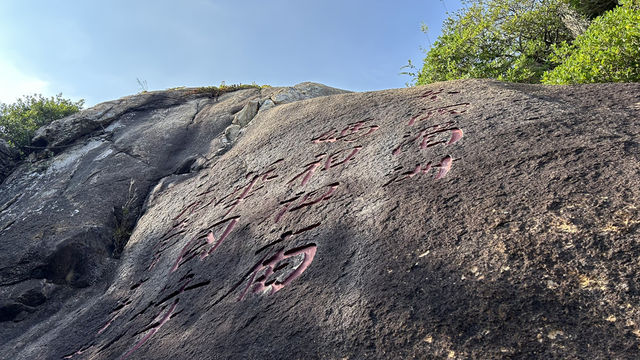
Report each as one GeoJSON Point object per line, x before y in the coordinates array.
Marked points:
{"type": "Point", "coordinates": [467, 219]}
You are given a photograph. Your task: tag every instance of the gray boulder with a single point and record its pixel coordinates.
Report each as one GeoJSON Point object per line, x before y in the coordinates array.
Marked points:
{"type": "Point", "coordinates": [232, 132]}
{"type": "Point", "coordinates": [247, 113]}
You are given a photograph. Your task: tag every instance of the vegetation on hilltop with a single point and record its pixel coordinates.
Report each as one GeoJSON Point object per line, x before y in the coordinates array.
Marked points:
{"type": "Point", "coordinates": [609, 51]}
{"type": "Point", "coordinates": [20, 120]}
{"type": "Point", "coordinates": [535, 41]}
{"type": "Point", "coordinates": [223, 88]}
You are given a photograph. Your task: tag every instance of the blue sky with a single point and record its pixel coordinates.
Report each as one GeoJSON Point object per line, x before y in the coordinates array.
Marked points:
{"type": "Point", "coordinates": [96, 50]}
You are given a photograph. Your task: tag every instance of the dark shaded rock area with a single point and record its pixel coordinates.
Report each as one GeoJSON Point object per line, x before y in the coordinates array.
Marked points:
{"type": "Point", "coordinates": [7, 160]}
{"type": "Point", "coordinates": [466, 219]}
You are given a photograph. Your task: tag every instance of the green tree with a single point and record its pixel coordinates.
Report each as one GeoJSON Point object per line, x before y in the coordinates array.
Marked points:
{"type": "Point", "coordinates": [20, 120]}
{"type": "Point", "coordinates": [609, 51]}
{"type": "Point", "coordinates": [502, 39]}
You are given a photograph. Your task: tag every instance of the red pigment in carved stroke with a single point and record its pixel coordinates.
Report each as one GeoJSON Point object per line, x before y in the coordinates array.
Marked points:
{"type": "Point", "coordinates": [330, 164]}
{"type": "Point", "coordinates": [352, 134]}
{"type": "Point", "coordinates": [210, 238]}
{"type": "Point", "coordinates": [456, 135]}
{"type": "Point", "coordinates": [251, 188]}
{"type": "Point", "coordinates": [79, 352]}
{"type": "Point", "coordinates": [325, 196]}
{"type": "Point", "coordinates": [243, 194]}
{"type": "Point", "coordinates": [415, 172]}
{"type": "Point", "coordinates": [425, 136]}
{"type": "Point", "coordinates": [449, 109]}
{"type": "Point", "coordinates": [307, 177]}
{"type": "Point", "coordinates": [102, 329]}
{"type": "Point", "coordinates": [185, 209]}
{"type": "Point", "coordinates": [308, 172]}
{"type": "Point", "coordinates": [222, 238]}
{"type": "Point", "coordinates": [397, 150]}
{"type": "Point", "coordinates": [281, 212]}
{"type": "Point", "coordinates": [353, 153]}
{"type": "Point", "coordinates": [227, 196]}
{"type": "Point", "coordinates": [155, 260]}
{"type": "Point", "coordinates": [269, 265]}
{"type": "Point", "coordinates": [154, 330]}
{"type": "Point", "coordinates": [427, 144]}
{"type": "Point", "coordinates": [432, 94]}
{"type": "Point", "coordinates": [183, 252]}
{"type": "Point", "coordinates": [327, 163]}
{"type": "Point", "coordinates": [107, 324]}
{"type": "Point", "coordinates": [325, 137]}
{"type": "Point", "coordinates": [351, 130]}
{"type": "Point", "coordinates": [409, 174]}
{"type": "Point", "coordinates": [372, 129]}
{"type": "Point", "coordinates": [303, 202]}
{"type": "Point", "coordinates": [445, 166]}
{"type": "Point", "coordinates": [357, 126]}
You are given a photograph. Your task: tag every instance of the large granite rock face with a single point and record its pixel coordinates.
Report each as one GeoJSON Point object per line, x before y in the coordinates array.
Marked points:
{"type": "Point", "coordinates": [66, 218]}
{"type": "Point", "coordinates": [467, 219]}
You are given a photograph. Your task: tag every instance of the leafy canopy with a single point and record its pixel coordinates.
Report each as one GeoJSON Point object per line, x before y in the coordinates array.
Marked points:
{"type": "Point", "coordinates": [20, 120]}
{"type": "Point", "coordinates": [549, 41]}
{"type": "Point", "coordinates": [502, 39]}
{"type": "Point", "coordinates": [609, 51]}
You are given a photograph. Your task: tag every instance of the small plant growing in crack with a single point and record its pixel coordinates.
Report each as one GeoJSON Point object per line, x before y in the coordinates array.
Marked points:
{"type": "Point", "coordinates": [126, 217]}
{"type": "Point", "coordinates": [142, 85]}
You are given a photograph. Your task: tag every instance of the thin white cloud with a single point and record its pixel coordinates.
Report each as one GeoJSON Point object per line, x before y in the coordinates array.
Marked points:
{"type": "Point", "coordinates": [14, 83]}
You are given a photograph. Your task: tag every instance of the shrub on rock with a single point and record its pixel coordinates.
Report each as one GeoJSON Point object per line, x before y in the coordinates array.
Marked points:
{"type": "Point", "coordinates": [20, 120]}
{"type": "Point", "coordinates": [609, 51]}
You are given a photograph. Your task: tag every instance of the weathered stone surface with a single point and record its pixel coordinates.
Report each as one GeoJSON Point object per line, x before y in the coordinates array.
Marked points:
{"type": "Point", "coordinates": [467, 219]}
{"type": "Point", "coordinates": [66, 130]}
{"type": "Point", "coordinates": [266, 105]}
{"type": "Point", "coordinates": [7, 160]}
{"type": "Point", "coordinates": [65, 218]}
{"type": "Point", "coordinates": [23, 297]}
{"type": "Point", "coordinates": [247, 113]}
{"type": "Point", "coordinates": [231, 132]}
{"type": "Point", "coordinates": [303, 91]}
